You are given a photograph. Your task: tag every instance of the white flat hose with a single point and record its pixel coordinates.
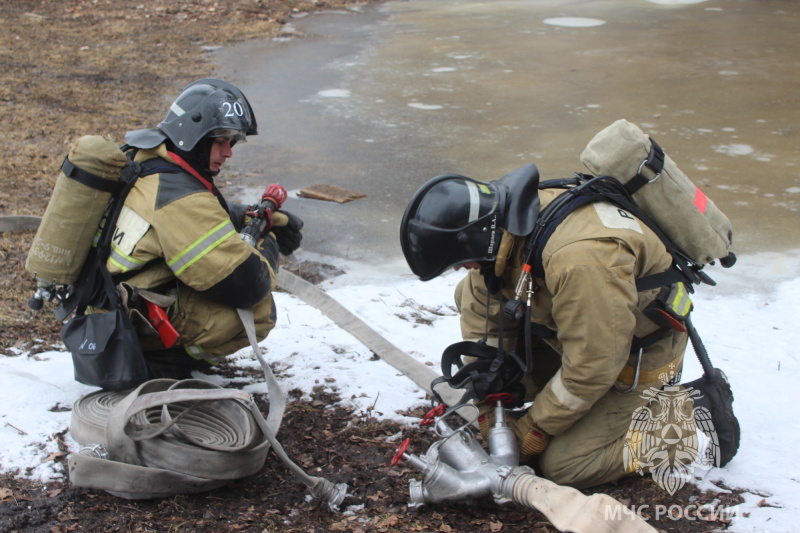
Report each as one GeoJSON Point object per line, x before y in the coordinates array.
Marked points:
{"type": "Point", "coordinates": [571, 511]}
{"type": "Point", "coordinates": [410, 367]}
{"type": "Point", "coordinates": [322, 489]}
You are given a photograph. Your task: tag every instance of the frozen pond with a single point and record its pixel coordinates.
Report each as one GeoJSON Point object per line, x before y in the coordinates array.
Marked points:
{"type": "Point", "coordinates": [385, 98]}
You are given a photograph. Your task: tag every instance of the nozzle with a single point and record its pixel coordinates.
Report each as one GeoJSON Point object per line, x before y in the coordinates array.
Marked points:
{"type": "Point", "coordinates": [325, 491]}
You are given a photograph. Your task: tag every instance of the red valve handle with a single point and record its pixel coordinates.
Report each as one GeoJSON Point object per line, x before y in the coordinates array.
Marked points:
{"type": "Point", "coordinates": [504, 397]}
{"type": "Point", "coordinates": [400, 451]}
{"type": "Point", "coordinates": [429, 417]}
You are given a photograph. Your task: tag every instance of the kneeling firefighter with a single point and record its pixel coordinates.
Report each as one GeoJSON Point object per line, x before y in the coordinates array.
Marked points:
{"type": "Point", "coordinates": [591, 350]}
{"type": "Point", "coordinates": [177, 242]}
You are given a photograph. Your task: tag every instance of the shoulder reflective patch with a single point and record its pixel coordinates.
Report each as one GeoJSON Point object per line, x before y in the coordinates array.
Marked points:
{"type": "Point", "coordinates": [130, 230]}
{"type": "Point", "coordinates": [613, 217]}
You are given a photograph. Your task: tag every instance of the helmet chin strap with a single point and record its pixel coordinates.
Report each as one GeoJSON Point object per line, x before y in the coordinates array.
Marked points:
{"type": "Point", "coordinates": [494, 283]}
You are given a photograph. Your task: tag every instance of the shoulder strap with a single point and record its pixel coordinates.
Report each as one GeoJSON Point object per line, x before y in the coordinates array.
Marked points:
{"type": "Point", "coordinates": [87, 178]}
{"type": "Point", "coordinates": [551, 216]}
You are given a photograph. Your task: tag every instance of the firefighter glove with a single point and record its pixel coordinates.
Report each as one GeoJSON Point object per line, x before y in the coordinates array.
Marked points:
{"type": "Point", "coordinates": [269, 249]}
{"type": "Point", "coordinates": [287, 229]}
{"type": "Point", "coordinates": [531, 438]}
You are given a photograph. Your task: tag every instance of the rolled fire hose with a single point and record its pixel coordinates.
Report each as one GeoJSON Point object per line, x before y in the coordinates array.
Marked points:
{"type": "Point", "coordinates": [165, 437]}
{"type": "Point", "coordinates": [177, 437]}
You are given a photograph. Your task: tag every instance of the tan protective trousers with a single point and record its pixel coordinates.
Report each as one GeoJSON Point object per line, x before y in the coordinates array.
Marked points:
{"type": "Point", "coordinates": [591, 451]}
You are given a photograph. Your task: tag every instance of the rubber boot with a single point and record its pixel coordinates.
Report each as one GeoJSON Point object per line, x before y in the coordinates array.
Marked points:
{"type": "Point", "coordinates": [717, 397]}
{"type": "Point", "coordinates": [172, 363]}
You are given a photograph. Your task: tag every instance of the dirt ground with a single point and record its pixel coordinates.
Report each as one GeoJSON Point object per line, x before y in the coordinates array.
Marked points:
{"type": "Point", "coordinates": [71, 68]}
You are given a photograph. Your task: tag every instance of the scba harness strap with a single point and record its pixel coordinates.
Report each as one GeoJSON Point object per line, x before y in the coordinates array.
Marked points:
{"type": "Point", "coordinates": [582, 190]}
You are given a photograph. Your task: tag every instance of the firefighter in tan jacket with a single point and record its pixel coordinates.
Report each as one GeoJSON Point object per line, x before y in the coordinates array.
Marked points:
{"type": "Point", "coordinates": [586, 312]}
{"type": "Point", "coordinates": [177, 241]}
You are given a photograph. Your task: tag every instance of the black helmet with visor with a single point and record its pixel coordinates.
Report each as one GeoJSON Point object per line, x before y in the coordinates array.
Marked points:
{"type": "Point", "coordinates": [449, 221]}
{"type": "Point", "coordinates": [208, 108]}
{"type": "Point", "coordinates": [452, 219]}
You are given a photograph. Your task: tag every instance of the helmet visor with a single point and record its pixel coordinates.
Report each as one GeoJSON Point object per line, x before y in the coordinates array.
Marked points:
{"type": "Point", "coordinates": [233, 136]}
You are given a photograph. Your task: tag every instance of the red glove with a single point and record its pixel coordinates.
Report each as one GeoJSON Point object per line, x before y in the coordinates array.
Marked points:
{"type": "Point", "coordinates": [276, 194]}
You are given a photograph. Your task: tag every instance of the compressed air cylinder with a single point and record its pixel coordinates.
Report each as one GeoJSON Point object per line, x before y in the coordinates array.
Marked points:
{"type": "Point", "coordinates": [682, 211]}
{"type": "Point", "coordinates": [74, 212]}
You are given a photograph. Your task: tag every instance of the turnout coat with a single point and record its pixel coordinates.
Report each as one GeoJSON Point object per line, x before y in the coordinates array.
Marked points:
{"type": "Point", "coordinates": [587, 309]}
{"type": "Point", "coordinates": [176, 238]}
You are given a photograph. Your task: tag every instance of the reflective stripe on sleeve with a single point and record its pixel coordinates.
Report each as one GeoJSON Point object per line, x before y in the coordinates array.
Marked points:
{"type": "Point", "coordinates": [124, 262]}
{"type": "Point", "coordinates": [201, 247]}
{"type": "Point", "coordinates": [565, 397]}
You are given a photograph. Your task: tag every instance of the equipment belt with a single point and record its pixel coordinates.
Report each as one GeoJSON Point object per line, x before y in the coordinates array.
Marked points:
{"type": "Point", "coordinates": [648, 377]}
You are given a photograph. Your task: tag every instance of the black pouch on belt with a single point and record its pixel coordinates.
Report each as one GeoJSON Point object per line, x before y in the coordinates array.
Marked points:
{"type": "Point", "coordinates": [105, 347]}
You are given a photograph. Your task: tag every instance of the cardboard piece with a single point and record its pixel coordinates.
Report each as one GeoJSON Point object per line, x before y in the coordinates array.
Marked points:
{"type": "Point", "coordinates": [330, 193]}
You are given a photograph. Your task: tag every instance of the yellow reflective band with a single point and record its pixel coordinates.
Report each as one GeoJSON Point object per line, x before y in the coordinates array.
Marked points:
{"type": "Point", "coordinates": [681, 304]}
{"type": "Point", "coordinates": [124, 262]}
{"type": "Point", "coordinates": [197, 352]}
{"type": "Point", "coordinates": [201, 247]}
